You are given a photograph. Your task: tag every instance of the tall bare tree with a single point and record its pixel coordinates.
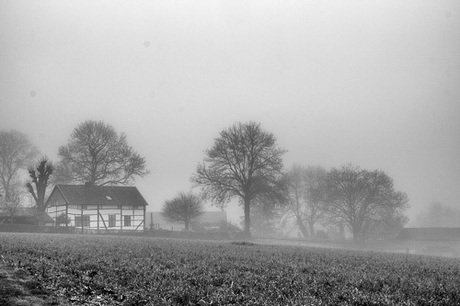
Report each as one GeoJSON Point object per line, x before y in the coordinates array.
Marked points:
{"type": "Point", "coordinates": [244, 162]}
{"type": "Point", "coordinates": [11, 206]}
{"type": "Point", "coordinates": [183, 208]}
{"type": "Point", "coordinates": [16, 152]}
{"type": "Point", "coordinates": [96, 153]}
{"type": "Point", "coordinates": [296, 198]}
{"type": "Point", "coordinates": [307, 196]}
{"type": "Point", "coordinates": [40, 175]}
{"type": "Point", "coordinates": [316, 196]}
{"type": "Point", "coordinates": [359, 196]}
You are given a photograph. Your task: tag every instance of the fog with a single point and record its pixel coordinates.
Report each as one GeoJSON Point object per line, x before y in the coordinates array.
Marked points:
{"type": "Point", "coordinates": [374, 83]}
{"type": "Point", "coordinates": [437, 215]}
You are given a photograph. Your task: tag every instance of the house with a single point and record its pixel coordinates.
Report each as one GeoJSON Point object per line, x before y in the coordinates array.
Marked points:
{"type": "Point", "coordinates": [438, 241]}
{"type": "Point", "coordinates": [94, 208]}
{"type": "Point", "coordinates": [24, 215]}
{"type": "Point", "coordinates": [208, 220]}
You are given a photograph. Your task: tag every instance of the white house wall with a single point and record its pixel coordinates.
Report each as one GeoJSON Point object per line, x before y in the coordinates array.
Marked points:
{"type": "Point", "coordinates": [55, 211]}
{"type": "Point", "coordinates": [137, 216]}
{"type": "Point", "coordinates": [98, 214]}
{"type": "Point", "coordinates": [101, 221]}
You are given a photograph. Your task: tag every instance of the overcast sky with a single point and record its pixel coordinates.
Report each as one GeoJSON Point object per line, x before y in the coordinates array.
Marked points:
{"type": "Point", "coordinates": [374, 83]}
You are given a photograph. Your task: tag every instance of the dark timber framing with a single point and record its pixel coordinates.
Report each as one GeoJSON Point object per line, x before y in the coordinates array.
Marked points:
{"type": "Point", "coordinates": [95, 204]}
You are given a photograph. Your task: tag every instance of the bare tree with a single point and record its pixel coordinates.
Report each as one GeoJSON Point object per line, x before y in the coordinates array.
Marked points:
{"type": "Point", "coordinates": [316, 195]}
{"type": "Point", "coordinates": [12, 204]}
{"type": "Point", "coordinates": [437, 214]}
{"type": "Point", "coordinates": [96, 153]}
{"type": "Point", "coordinates": [16, 152]}
{"type": "Point", "coordinates": [264, 221]}
{"type": "Point", "coordinates": [243, 163]}
{"type": "Point", "coordinates": [183, 208]}
{"type": "Point", "coordinates": [296, 198]}
{"type": "Point", "coordinates": [40, 175]}
{"type": "Point", "coordinates": [359, 196]}
{"type": "Point", "coordinates": [307, 196]}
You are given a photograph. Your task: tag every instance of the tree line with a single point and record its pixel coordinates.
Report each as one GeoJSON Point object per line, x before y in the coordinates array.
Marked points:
{"type": "Point", "coordinates": [244, 164]}
{"type": "Point", "coordinates": [95, 153]}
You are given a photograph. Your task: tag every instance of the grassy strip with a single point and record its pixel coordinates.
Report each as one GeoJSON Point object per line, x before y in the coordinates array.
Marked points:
{"type": "Point", "coordinates": [89, 270]}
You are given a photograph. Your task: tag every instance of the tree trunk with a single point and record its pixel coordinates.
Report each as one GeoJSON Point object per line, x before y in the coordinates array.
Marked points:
{"type": "Point", "coordinates": [355, 230]}
{"type": "Point", "coordinates": [311, 226]}
{"type": "Point", "coordinates": [302, 227]}
{"type": "Point", "coordinates": [186, 224]}
{"type": "Point", "coordinates": [247, 220]}
{"type": "Point", "coordinates": [40, 216]}
{"type": "Point", "coordinates": [41, 211]}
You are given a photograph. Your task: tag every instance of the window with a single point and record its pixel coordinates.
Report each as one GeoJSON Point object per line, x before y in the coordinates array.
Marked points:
{"type": "Point", "coordinates": [86, 221]}
{"type": "Point", "coordinates": [82, 207]}
{"type": "Point", "coordinates": [127, 221]}
{"type": "Point", "coordinates": [112, 220]}
{"type": "Point", "coordinates": [79, 220]}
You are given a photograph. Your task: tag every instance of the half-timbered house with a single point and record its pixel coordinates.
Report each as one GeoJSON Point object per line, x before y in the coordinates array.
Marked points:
{"type": "Point", "coordinates": [92, 208]}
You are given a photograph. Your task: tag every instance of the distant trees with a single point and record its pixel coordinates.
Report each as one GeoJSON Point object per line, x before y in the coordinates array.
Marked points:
{"type": "Point", "coordinates": [363, 199]}
{"type": "Point", "coordinates": [11, 205]}
{"type": "Point", "coordinates": [438, 215]}
{"type": "Point", "coordinates": [40, 175]}
{"type": "Point", "coordinates": [307, 197]}
{"type": "Point", "coordinates": [96, 153]}
{"type": "Point", "coordinates": [183, 208]}
{"type": "Point", "coordinates": [244, 162]}
{"type": "Point", "coordinates": [16, 152]}
{"type": "Point", "coordinates": [266, 210]}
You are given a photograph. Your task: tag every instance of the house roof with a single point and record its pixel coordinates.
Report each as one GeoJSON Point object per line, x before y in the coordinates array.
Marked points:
{"type": "Point", "coordinates": [100, 195]}
{"type": "Point", "coordinates": [430, 233]}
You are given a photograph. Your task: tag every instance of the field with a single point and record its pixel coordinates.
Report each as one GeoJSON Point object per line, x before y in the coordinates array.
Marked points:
{"type": "Point", "coordinates": [111, 270]}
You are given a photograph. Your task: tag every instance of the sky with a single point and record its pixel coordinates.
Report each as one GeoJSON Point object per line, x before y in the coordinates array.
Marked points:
{"type": "Point", "coordinates": [373, 83]}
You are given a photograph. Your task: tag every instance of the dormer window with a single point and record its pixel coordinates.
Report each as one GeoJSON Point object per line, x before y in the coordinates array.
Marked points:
{"type": "Point", "coordinates": [108, 197]}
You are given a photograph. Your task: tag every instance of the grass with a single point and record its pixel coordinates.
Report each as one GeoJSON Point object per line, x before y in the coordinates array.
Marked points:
{"type": "Point", "coordinates": [113, 270]}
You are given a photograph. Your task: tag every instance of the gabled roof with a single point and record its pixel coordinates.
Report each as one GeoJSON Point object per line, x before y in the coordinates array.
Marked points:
{"type": "Point", "coordinates": [100, 195]}
{"type": "Point", "coordinates": [430, 233]}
